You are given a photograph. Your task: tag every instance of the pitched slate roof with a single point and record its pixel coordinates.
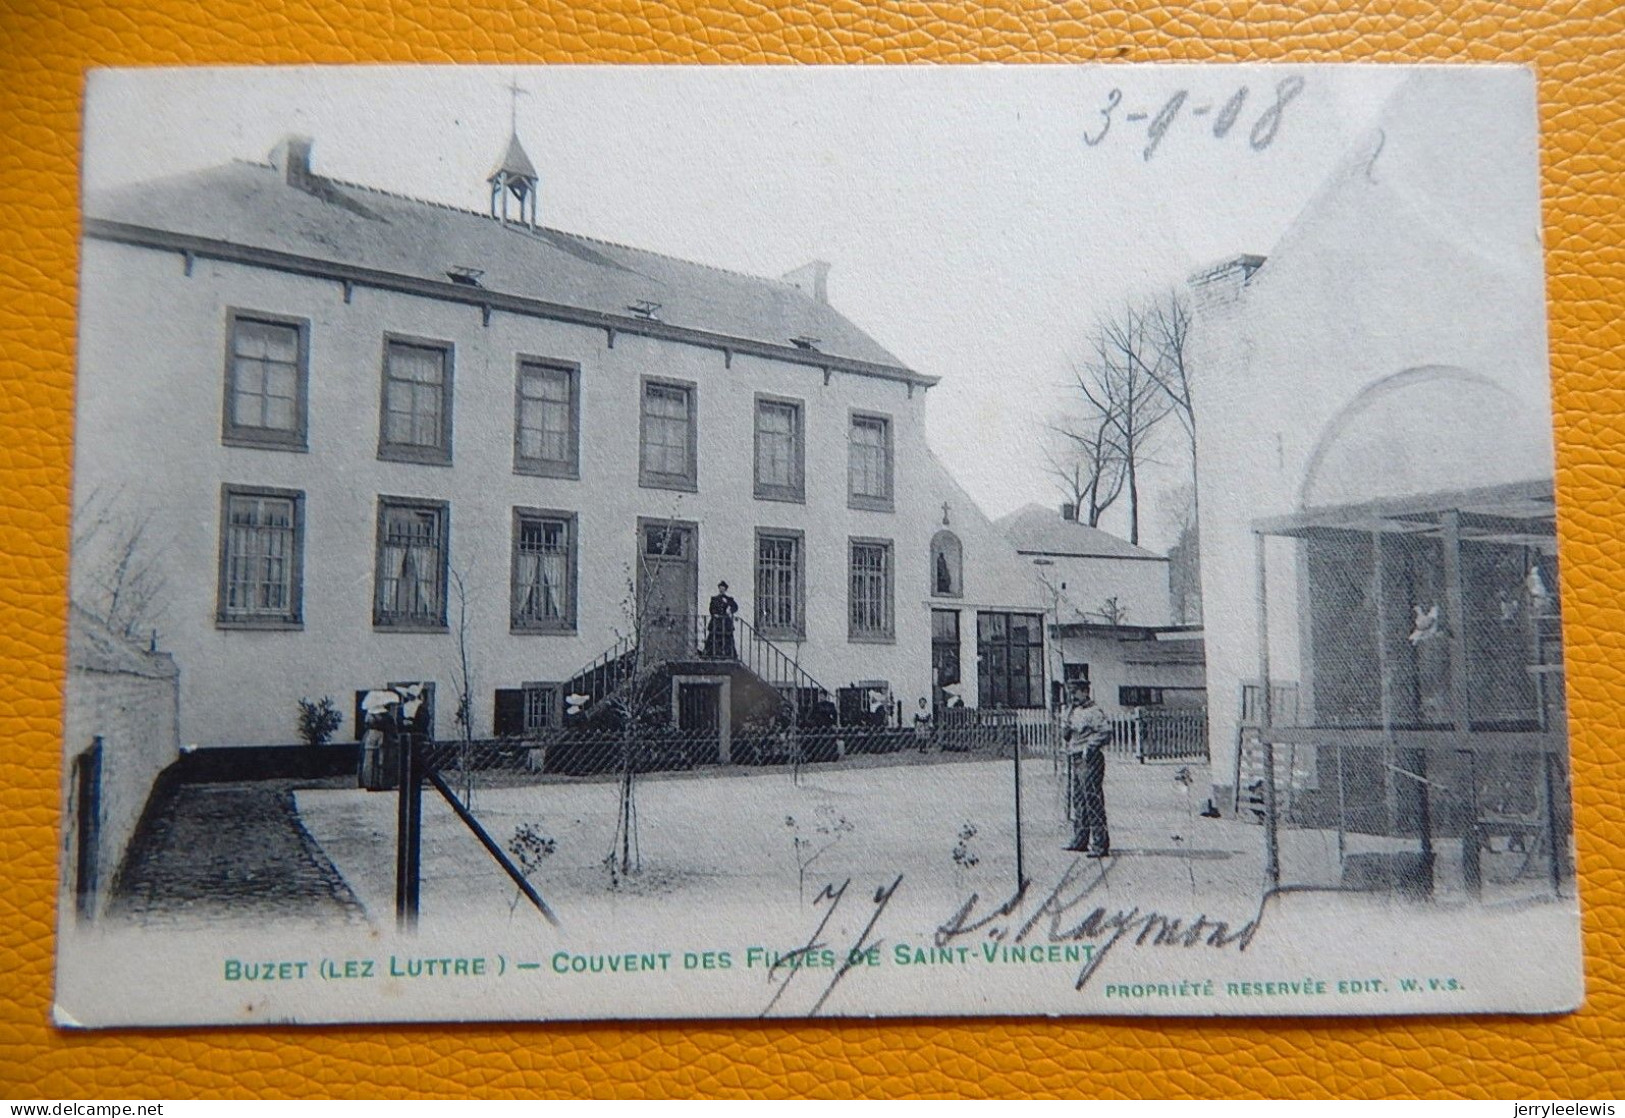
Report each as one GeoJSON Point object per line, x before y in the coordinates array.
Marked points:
{"type": "Point", "coordinates": [252, 205]}
{"type": "Point", "coordinates": [1039, 530]}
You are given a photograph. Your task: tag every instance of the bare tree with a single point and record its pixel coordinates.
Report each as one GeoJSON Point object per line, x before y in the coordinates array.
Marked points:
{"type": "Point", "coordinates": [1168, 320]}
{"type": "Point", "coordinates": [1084, 457]}
{"type": "Point", "coordinates": [1117, 383]}
{"type": "Point", "coordinates": [463, 680]}
{"type": "Point", "coordinates": [1169, 323]}
{"type": "Point", "coordinates": [118, 569]}
{"type": "Point", "coordinates": [1184, 558]}
{"type": "Point", "coordinates": [639, 711]}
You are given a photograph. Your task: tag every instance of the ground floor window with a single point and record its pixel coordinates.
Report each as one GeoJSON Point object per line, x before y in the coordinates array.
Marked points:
{"type": "Point", "coordinates": [778, 584]}
{"type": "Point", "coordinates": [523, 711]}
{"type": "Point", "coordinates": [869, 597]}
{"type": "Point", "coordinates": [1139, 696]}
{"type": "Point", "coordinates": [411, 579]}
{"type": "Point", "coordinates": [542, 594]}
{"type": "Point", "coordinates": [260, 556]}
{"type": "Point", "coordinates": [945, 649]}
{"type": "Point", "coordinates": [1010, 659]}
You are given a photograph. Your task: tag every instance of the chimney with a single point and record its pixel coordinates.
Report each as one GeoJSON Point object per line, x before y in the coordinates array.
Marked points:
{"type": "Point", "coordinates": [292, 158]}
{"type": "Point", "coordinates": [1069, 511]}
{"type": "Point", "coordinates": [812, 279]}
{"type": "Point", "coordinates": [1223, 283]}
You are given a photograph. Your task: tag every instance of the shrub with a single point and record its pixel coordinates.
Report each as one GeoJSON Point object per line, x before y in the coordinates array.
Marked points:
{"type": "Point", "coordinates": [318, 721]}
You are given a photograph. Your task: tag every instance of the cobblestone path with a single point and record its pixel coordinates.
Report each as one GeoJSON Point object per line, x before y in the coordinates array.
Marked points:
{"type": "Point", "coordinates": [231, 853]}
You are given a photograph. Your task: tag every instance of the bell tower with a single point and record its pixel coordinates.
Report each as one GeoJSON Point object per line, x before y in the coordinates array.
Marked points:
{"type": "Point", "coordinates": [515, 179]}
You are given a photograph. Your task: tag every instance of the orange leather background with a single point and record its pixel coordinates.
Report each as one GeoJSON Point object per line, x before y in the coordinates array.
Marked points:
{"type": "Point", "coordinates": [1579, 52]}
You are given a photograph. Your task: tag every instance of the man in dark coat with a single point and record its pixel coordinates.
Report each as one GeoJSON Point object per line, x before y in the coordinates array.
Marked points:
{"type": "Point", "coordinates": [719, 634]}
{"type": "Point", "coordinates": [1086, 733]}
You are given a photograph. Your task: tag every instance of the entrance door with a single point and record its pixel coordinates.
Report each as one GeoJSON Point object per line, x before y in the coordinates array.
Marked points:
{"type": "Point", "coordinates": [668, 587]}
{"type": "Point", "coordinates": [699, 718]}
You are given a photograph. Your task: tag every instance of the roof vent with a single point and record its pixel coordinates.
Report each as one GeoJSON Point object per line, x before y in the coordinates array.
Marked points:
{"type": "Point", "coordinates": [468, 277]}
{"type": "Point", "coordinates": [803, 341]}
{"type": "Point", "coordinates": [645, 308]}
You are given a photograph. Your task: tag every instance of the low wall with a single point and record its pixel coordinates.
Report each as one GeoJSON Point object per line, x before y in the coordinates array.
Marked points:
{"type": "Point", "coordinates": [120, 731]}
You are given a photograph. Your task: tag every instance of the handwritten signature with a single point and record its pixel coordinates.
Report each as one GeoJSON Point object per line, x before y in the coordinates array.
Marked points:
{"type": "Point", "coordinates": [1057, 916]}
{"type": "Point", "coordinates": [862, 952]}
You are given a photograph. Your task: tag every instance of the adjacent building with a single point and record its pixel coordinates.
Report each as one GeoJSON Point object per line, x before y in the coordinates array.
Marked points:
{"type": "Point", "coordinates": [1379, 560]}
{"type": "Point", "coordinates": [1110, 613]}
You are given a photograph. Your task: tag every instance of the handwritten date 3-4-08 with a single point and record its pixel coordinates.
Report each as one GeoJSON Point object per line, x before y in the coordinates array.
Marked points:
{"type": "Point", "coordinates": [1260, 136]}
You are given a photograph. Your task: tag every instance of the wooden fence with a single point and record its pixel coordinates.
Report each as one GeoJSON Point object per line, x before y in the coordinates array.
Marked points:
{"type": "Point", "coordinates": [1148, 734]}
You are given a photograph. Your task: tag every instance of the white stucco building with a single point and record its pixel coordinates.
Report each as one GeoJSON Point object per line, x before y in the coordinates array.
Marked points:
{"type": "Point", "coordinates": [334, 406]}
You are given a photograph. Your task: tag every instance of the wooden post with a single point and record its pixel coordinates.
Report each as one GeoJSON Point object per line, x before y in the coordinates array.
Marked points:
{"type": "Point", "coordinates": [1272, 838]}
{"type": "Point", "coordinates": [1015, 753]}
{"type": "Point", "coordinates": [1460, 704]}
{"type": "Point", "coordinates": [1384, 670]}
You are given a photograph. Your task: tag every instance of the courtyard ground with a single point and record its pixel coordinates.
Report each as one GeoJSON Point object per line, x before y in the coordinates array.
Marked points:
{"type": "Point", "coordinates": [876, 885]}
{"type": "Point", "coordinates": [228, 853]}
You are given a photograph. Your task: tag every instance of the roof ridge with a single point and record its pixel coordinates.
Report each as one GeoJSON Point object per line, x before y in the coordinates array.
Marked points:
{"type": "Point", "coordinates": [779, 280]}
{"type": "Point", "coordinates": [589, 238]}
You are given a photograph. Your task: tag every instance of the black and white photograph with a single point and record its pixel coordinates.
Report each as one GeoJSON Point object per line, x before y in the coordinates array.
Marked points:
{"type": "Point", "coordinates": [726, 542]}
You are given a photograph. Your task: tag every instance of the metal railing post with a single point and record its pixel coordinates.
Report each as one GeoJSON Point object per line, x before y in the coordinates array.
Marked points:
{"type": "Point", "coordinates": [1272, 837]}
{"type": "Point", "coordinates": [408, 835]}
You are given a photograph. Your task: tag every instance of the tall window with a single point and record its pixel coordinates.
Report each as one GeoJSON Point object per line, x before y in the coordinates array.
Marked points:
{"type": "Point", "coordinates": [947, 565]}
{"type": "Point", "coordinates": [417, 402]}
{"type": "Point", "coordinates": [779, 598]}
{"type": "Point", "coordinates": [869, 594]}
{"type": "Point", "coordinates": [545, 420]}
{"type": "Point", "coordinates": [261, 557]}
{"type": "Point", "coordinates": [1010, 659]}
{"type": "Point", "coordinates": [266, 380]}
{"type": "Point", "coordinates": [779, 453]}
{"type": "Point", "coordinates": [869, 462]}
{"type": "Point", "coordinates": [543, 583]}
{"type": "Point", "coordinates": [667, 457]}
{"type": "Point", "coordinates": [412, 551]}
{"type": "Point", "coordinates": [945, 646]}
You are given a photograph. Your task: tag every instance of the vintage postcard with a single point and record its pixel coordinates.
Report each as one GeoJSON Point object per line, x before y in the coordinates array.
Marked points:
{"type": "Point", "coordinates": [730, 542]}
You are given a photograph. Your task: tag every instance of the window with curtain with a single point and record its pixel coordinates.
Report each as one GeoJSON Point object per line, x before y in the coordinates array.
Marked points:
{"type": "Point", "coordinates": [411, 565]}
{"type": "Point", "coordinates": [417, 402]}
{"type": "Point", "coordinates": [543, 571]}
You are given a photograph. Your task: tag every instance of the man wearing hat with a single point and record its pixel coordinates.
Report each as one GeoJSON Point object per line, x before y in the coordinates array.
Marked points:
{"type": "Point", "coordinates": [719, 635]}
{"type": "Point", "coordinates": [1085, 734]}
